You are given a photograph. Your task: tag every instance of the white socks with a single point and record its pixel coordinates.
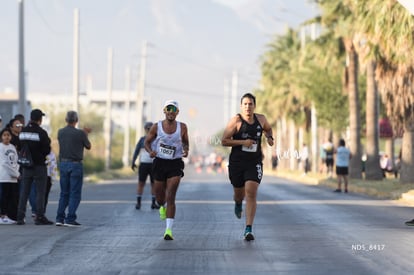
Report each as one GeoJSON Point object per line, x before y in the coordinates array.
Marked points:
{"type": "Point", "coordinates": [169, 223]}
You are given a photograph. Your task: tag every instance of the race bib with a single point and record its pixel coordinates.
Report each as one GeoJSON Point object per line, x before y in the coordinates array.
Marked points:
{"type": "Point", "coordinates": [166, 151]}
{"type": "Point", "coordinates": [250, 149]}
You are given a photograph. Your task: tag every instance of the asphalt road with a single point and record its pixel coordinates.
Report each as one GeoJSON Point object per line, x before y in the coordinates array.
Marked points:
{"type": "Point", "coordinates": [299, 229]}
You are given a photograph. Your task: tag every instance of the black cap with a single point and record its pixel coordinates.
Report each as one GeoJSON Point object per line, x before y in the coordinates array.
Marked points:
{"type": "Point", "coordinates": [36, 115]}
{"type": "Point", "coordinates": [148, 125]}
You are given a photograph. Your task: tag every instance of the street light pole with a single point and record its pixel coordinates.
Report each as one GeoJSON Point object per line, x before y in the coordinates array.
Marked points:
{"type": "Point", "coordinates": [76, 61]}
{"type": "Point", "coordinates": [141, 90]}
{"type": "Point", "coordinates": [22, 88]}
{"type": "Point", "coordinates": [108, 118]}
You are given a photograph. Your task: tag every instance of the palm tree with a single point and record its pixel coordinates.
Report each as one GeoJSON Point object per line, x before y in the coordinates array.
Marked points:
{"type": "Point", "coordinates": [395, 68]}
{"type": "Point", "coordinates": [372, 167]}
{"type": "Point", "coordinates": [320, 81]}
{"type": "Point", "coordinates": [279, 78]}
{"type": "Point", "coordinates": [338, 17]}
{"type": "Point", "coordinates": [279, 65]}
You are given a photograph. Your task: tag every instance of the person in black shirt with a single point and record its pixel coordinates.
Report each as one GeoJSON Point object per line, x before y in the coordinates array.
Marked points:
{"type": "Point", "coordinates": [38, 143]}
{"type": "Point", "coordinates": [329, 158]}
{"type": "Point", "coordinates": [244, 134]}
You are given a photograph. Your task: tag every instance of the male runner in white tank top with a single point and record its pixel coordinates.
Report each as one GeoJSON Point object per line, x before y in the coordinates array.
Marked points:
{"type": "Point", "coordinates": [167, 142]}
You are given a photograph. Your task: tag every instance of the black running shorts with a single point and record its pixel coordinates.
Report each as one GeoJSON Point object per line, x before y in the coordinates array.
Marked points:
{"type": "Point", "coordinates": [243, 171]}
{"type": "Point", "coordinates": [329, 162]}
{"type": "Point", "coordinates": [145, 170]}
{"type": "Point", "coordinates": [342, 171]}
{"type": "Point", "coordinates": [162, 169]}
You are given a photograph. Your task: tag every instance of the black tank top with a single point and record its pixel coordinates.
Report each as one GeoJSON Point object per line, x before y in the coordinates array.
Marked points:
{"type": "Point", "coordinates": [248, 131]}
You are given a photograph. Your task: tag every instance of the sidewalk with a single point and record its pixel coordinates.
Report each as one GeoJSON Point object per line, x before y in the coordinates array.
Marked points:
{"type": "Point", "coordinates": [389, 188]}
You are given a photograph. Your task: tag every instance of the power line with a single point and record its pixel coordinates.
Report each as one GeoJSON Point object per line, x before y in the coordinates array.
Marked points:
{"type": "Point", "coordinates": [181, 91]}
{"type": "Point", "coordinates": [45, 22]}
{"type": "Point", "coordinates": [191, 61]}
{"type": "Point", "coordinates": [251, 77]}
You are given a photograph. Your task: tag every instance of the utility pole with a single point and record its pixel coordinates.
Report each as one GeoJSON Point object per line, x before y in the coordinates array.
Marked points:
{"type": "Point", "coordinates": [108, 119]}
{"type": "Point", "coordinates": [141, 90]}
{"type": "Point", "coordinates": [125, 158]}
{"type": "Point", "coordinates": [22, 103]}
{"type": "Point", "coordinates": [314, 130]}
{"type": "Point", "coordinates": [314, 121]}
{"type": "Point", "coordinates": [76, 60]}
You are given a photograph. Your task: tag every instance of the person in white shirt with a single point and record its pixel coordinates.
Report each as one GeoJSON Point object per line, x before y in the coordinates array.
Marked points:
{"type": "Point", "coordinates": [9, 173]}
{"type": "Point", "coordinates": [386, 165]}
{"type": "Point", "coordinates": [343, 155]}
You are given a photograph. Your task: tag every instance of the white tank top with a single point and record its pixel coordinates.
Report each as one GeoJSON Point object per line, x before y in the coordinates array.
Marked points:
{"type": "Point", "coordinates": [144, 156]}
{"type": "Point", "coordinates": [168, 146]}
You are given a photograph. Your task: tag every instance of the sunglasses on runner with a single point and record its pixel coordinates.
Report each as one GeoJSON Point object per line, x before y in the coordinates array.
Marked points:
{"type": "Point", "coordinates": [170, 108]}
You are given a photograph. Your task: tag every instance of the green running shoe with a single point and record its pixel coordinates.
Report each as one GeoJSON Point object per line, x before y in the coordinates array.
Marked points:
{"type": "Point", "coordinates": [168, 235]}
{"type": "Point", "coordinates": [163, 213]}
{"type": "Point", "coordinates": [238, 209]}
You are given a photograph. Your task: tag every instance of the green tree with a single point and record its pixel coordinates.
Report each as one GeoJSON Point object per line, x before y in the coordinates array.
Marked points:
{"type": "Point", "coordinates": [279, 78]}
{"type": "Point", "coordinates": [338, 17]}
{"type": "Point", "coordinates": [320, 80]}
{"type": "Point", "coordinates": [285, 101]}
{"type": "Point", "coordinates": [390, 43]}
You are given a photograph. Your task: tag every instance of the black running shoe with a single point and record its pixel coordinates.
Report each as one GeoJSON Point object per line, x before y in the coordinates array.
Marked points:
{"type": "Point", "coordinates": [138, 205]}
{"type": "Point", "coordinates": [238, 209]}
{"type": "Point", "coordinates": [42, 221]}
{"type": "Point", "coordinates": [248, 235]}
{"type": "Point", "coordinates": [155, 205]}
{"type": "Point", "coordinates": [410, 223]}
{"type": "Point", "coordinates": [72, 224]}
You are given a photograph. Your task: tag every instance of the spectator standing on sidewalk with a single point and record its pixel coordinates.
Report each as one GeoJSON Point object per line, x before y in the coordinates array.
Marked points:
{"type": "Point", "coordinates": [343, 155]}
{"type": "Point", "coordinates": [72, 142]}
{"type": "Point", "coordinates": [329, 156]}
{"type": "Point", "coordinates": [9, 173]}
{"type": "Point", "coordinates": [38, 143]}
{"type": "Point", "coordinates": [304, 155]}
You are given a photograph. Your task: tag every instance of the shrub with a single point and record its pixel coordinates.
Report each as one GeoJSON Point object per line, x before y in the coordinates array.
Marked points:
{"type": "Point", "coordinates": [93, 165]}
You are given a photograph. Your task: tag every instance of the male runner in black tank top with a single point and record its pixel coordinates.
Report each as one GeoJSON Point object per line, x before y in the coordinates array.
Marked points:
{"type": "Point", "coordinates": [244, 134]}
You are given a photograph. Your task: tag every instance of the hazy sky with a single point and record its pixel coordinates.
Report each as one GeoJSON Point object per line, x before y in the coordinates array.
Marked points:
{"type": "Point", "coordinates": [194, 46]}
